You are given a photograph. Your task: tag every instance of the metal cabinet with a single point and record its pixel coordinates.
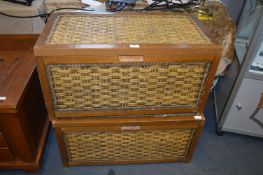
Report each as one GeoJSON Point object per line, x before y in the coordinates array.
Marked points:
{"type": "Point", "coordinates": [240, 117]}
{"type": "Point", "coordinates": [239, 95]}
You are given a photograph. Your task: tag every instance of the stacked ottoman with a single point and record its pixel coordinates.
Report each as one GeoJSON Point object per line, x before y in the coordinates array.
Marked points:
{"type": "Point", "coordinates": [125, 88]}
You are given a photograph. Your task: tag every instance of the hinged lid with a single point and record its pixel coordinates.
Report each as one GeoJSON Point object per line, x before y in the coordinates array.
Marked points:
{"type": "Point", "coordinates": [78, 31]}
{"type": "Point", "coordinates": [125, 29]}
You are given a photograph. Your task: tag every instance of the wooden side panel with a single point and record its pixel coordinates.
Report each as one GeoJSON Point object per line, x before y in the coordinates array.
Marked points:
{"type": "Point", "coordinates": [17, 139]}
{"type": "Point", "coordinates": [6, 154]}
{"type": "Point", "coordinates": [210, 78]}
{"type": "Point", "coordinates": [2, 140]}
{"type": "Point", "coordinates": [33, 113]}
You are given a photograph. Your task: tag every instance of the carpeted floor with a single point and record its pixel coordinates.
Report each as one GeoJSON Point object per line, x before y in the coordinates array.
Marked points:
{"type": "Point", "coordinates": [230, 154]}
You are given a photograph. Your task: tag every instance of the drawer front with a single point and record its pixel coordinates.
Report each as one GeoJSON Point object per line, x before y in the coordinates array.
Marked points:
{"type": "Point", "coordinates": [127, 86]}
{"type": "Point", "coordinates": [3, 142]}
{"type": "Point", "coordinates": [128, 145]}
{"type": "Point", "coordinates": [6, 154]}
{"type": "Point", "coordinates": [128, 142]}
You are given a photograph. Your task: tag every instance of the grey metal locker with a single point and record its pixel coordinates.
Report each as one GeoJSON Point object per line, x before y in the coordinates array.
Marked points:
{"type": "Point", "coordinates": [239, 117]}
{"type": "Point", "coordinates": [237, 95]}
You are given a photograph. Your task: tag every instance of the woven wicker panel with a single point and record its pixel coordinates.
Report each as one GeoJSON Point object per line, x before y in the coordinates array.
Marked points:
{"type": "Point", "coordinates": [141, 29]}
{"type": "Point", "coordinates": [128, 145]}
{"type": "Point", "coordinates": [126, 86]}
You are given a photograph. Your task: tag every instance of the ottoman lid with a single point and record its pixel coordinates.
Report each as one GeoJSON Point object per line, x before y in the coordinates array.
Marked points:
{"type": "Point", "coordinates": [124, 31]}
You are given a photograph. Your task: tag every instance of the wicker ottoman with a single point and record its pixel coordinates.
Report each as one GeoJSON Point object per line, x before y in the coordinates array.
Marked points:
{"type": "Point", "coordinates": [109, 76]}
{"type": "Point", "coordinates": [145, 139]}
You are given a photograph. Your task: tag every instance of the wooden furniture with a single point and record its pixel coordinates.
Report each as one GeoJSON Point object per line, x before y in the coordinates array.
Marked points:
{"type": "Point", "coordinates": [23, 116]}
{"type": "Point", "coordinates": [128, 140]}
{"type": "Point", "coordinates": [125, 88]}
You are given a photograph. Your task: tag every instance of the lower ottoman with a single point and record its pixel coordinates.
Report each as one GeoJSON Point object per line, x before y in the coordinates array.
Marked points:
{"type": "Point", "coordinates": [134, 139]}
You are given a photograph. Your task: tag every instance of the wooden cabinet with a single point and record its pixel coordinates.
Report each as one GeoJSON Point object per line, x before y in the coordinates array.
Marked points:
{"type": "Point", "coordinates": [23, 116]}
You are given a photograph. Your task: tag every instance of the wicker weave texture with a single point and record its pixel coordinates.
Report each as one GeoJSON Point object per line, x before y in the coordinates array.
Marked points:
{"type": "Point", "coordinates": [138, 29]}
{"type": "Point", "coordinates": [126, 86]}
{"type": "Point", "coordinates": [128, 145]}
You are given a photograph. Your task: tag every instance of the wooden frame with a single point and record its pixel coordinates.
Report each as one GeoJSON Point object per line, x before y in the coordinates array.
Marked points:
{"type": "Point", "coordinates": [119, 53]}
{"type": "Point", "coordinates": [166, 123]}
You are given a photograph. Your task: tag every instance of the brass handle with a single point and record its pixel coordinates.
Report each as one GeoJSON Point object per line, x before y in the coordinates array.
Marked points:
{"type": "Point", "coordinates": [131, 58]}
{"type": "Point", "coordinates": [130, 128]}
